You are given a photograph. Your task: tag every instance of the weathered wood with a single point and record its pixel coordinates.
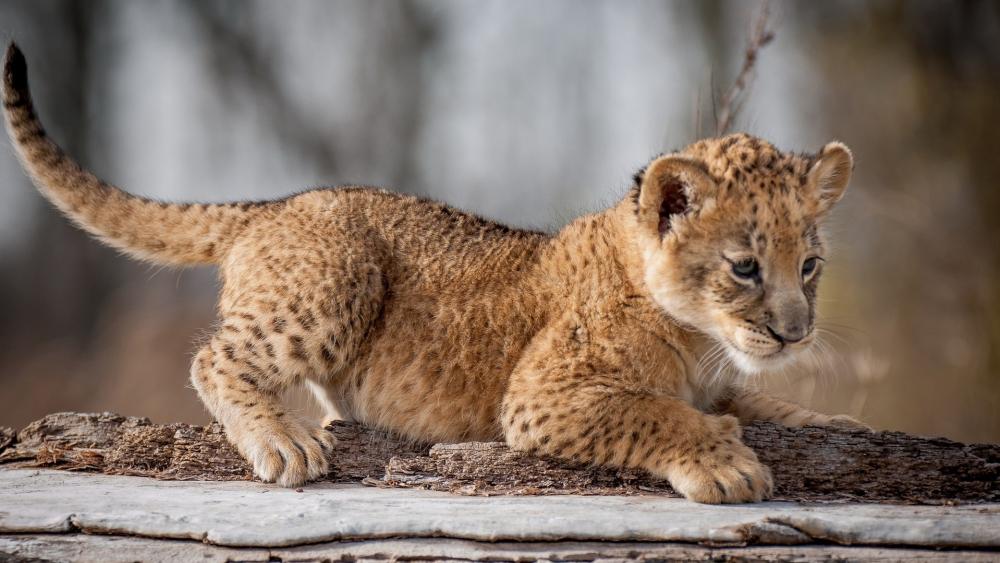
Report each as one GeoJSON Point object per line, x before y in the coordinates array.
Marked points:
{"type": "Point", "coordinates": [7, 436]}
{"type": "Point", "coordinates": [118, 445]}
{"type": "Point", "coordinates": [118, 549]}
{"type": "Point", "coordinates": [250, 514]}
{"type": "Point", "coordinates": [810, 464]}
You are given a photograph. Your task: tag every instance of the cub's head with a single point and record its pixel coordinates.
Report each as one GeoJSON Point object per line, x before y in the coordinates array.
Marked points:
{"type": "Point", "coordinates": [730, 239]}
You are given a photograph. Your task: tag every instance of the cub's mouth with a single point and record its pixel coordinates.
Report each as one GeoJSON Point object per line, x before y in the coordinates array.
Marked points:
{"type": "Point", "coordinates": [751, 363]}
{"type": "Point", "coordinates": [753, 350]}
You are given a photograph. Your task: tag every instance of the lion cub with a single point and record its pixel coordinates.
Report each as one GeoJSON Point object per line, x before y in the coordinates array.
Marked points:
{"type": "Point", "coordinates": [414, 317]}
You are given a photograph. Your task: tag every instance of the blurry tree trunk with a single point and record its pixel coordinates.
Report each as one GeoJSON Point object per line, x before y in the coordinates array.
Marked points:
{"type": "Point", "coordinates": [58, 251]}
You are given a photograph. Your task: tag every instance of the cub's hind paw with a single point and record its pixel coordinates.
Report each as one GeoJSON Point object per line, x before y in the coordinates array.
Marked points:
{"type": "Point", "coordinates": [286, 452]}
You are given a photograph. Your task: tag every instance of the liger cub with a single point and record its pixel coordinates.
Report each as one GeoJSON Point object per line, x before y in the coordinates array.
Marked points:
{"type": "Point", "coordinates": [408, 315]}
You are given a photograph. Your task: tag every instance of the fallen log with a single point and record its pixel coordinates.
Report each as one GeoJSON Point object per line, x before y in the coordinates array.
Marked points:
{"type": "Point", "coordinates": [809, 464]}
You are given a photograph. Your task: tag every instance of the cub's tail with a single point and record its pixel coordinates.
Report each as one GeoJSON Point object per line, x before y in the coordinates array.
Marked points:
{"type": "Point", "coordinates": [165, 233]}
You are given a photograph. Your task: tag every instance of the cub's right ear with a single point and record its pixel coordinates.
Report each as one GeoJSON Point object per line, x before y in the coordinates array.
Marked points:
{"type": "Point", "coordinates": [670, 186]}
{"type": "Point", "coordinates": [830, 175]}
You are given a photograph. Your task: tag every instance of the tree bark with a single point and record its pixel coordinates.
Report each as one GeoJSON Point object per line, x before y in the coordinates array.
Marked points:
{"type": "Point", "coordinates": [809, 464]}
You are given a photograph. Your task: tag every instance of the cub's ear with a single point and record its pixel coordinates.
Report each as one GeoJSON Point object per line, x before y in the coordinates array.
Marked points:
{"type": "Point", "coordinates": [671, 185]}
{"type": "Point", "coordinates": [831, 174]}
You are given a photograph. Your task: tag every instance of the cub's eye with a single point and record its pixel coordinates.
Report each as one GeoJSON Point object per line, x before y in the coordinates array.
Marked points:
{"type": "Point", "coordinates": [809, 266]}
{"type": "Point", "coordinates": [746, 268]}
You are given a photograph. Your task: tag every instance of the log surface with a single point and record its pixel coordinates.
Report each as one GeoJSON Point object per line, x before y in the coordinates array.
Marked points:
{"type": "Point", "coordinates": [249, 514]}
{"type": "Point", "coordinates": [112, 549]}
{"type": "Point", "coordinates": [809, 464]}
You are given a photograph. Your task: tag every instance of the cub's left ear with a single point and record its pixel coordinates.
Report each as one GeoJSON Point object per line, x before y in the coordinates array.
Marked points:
{"type": "Point", "coordinates": [671, 185]}
{"type": "Point", "coordinates": [831, 174]}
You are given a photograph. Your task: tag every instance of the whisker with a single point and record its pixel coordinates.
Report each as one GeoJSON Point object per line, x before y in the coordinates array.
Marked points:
{"type": "Point", "coordinates": [831, 324]}
{"type": "Point", "coordinates": [709, 358]}
{"type": "Point", "coordinates": [821, 331]}
{"type": "Point", "coordinates": [709, 361]}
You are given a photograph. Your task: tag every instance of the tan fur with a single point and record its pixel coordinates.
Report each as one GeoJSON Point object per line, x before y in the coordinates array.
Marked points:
{"type": "Point", "coordinates": [414, 317]}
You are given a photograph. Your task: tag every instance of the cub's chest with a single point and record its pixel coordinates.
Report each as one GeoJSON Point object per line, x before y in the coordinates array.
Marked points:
{"type": "Point", "coordinates": [706, 375]}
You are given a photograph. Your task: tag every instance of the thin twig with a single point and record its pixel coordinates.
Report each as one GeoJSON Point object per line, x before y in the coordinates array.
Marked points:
{"type": "Point", "coordinates": [733, 100]}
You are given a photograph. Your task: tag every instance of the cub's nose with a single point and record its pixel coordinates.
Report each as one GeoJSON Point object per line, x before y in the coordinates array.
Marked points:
{"type": "Point", "coordinates": [788, 334]}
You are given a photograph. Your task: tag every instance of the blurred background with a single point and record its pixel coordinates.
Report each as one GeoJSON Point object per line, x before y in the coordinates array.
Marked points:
{"type": "Point", "coordinates": [527, 112]}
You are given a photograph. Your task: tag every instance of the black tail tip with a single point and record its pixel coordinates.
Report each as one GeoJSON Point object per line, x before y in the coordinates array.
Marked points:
{"type": "Point", "coordinates": [15, 69]}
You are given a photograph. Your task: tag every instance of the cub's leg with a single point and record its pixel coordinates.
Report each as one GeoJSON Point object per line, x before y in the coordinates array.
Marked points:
{"type": "Point", "coordinates": [749, 406]}
{"type": "Point", "coordinates": [242, 389]}
{"type": "Point", "coordinates": [279, 333]}
{"type": "Point", "coordinates": [570, 402]}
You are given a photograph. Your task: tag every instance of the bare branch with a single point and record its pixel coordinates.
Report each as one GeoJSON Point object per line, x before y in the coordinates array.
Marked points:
{"type": "Point", "coordinates": [732, 102]}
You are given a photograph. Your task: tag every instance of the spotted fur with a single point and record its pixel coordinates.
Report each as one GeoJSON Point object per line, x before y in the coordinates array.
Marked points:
{"type": "Point", "coordinates": [414, 317]}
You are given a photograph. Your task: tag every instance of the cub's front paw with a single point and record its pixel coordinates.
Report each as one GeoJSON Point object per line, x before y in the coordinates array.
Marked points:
{"type": "Point", "coordinates": [285, 451]}
{"type": "Point", "coordinates": [722, 469]}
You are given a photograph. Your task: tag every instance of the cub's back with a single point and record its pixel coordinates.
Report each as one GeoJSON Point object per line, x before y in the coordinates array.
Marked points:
{"type": "Point", "coordinates": [428, 244]}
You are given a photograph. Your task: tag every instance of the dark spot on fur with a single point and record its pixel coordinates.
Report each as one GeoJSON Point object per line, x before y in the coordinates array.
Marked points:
{"type": "Point", "coordinates": [298, 348]}
{"type": "Point", "coordinates": [249, 380]}
{"type": "Point", "coordinates": [328, 355]}
{"type": "Point", "coordinates": [720, 488]}
{"type": "Point", "coordinates": [306, 320]}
